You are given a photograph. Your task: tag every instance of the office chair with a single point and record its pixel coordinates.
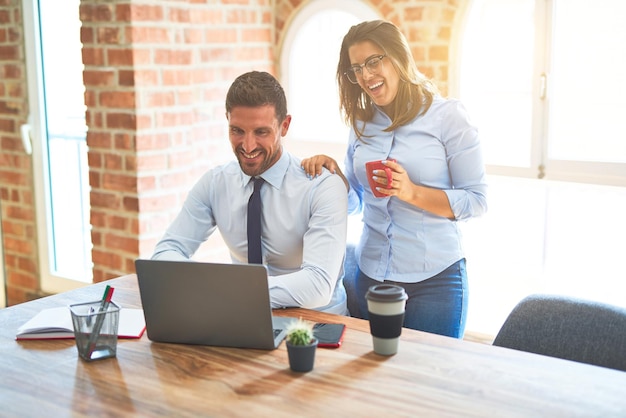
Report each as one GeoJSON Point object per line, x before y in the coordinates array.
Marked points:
{"type": "Point", "coordinates": [567, 328]}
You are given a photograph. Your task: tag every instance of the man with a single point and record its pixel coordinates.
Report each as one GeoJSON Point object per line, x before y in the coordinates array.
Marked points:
{"type": "Point", "coordinates": [304, 222]}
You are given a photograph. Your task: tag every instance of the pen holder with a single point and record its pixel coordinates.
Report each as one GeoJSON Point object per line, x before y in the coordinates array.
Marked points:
{"type": "Point", "coordinates": [95, 329]}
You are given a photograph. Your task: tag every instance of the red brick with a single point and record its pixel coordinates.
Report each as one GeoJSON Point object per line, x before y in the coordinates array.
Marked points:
{"type": "Point", "coordinates": [193, 36]}
{"type": "Point", "coordinates": [20, 246]}
{"type": "Point", "coordinates": [221, 36]}
{"type": "Point", "coordinates": [176, 77]}
{"type": "Point", "coordinates": [94, 179]}
{"type": "Point", "coordinates": [413, 14]}
{"type": "Point", "coordinates": [438, 53]}
{"type": "Point", "coordinates": [126, 78]}
{"type": "Point", "coordinates": [160, 99]}
{"type": "Point", "coordinates": [22, 280]}
{"type": "Point", "coordinates": [119, 182]}
{"type": "Point", "coordinates": [173, 57]}
{"type": "Point", "coordinates": [97, 140]}
{"type": "Point", "coordinates": [106, 258]}
{"type": "Point", "coordinates": [98, 219]}
{"type": "Point", "coordinates": [146, 183]}
{"type": "Point", "coordinates": [99, 78]}
{"type": "Point", "coordinates": [118, 99]}
{"type": "Point", "coordinates": [19, 212]}
{"type": "Point", "coordinates": [151, 35]}
{"type": "Point", "coordinates": [180, 15]}
{"type": "Point", "coordinates": [104, 200]}
{"type": "Point", "coordinates": [124, 141]}
{"type": "Point", "coordinates": [93, 56]}
{"type": "Point", "coordinates": [256, 35]}
{"type": "Point", "coordinates": [130, 204]}
{"type": "Point", "coordinates": [119, 57]}
{"type": "Point", "coordinates": [121, 243]}
{"type": "Point", "coordinates": [152, 162]}
{"type": "Point", "coordinates": [108, 35]}
{"type": "Point", "coordinates": [157, 203]}
{"type": "Point", "coordinates": [144, 12]}
{"type": "Point", "coordinates": [121, 121]}
{"type": "Point", "coordinates": [113, 161]}
{"type": "Point", "coordinates": [152, 142]}
{"type": "Point", "coordinates": [9, 52]}
{"type": "Point", "coordinates": [87, 35]}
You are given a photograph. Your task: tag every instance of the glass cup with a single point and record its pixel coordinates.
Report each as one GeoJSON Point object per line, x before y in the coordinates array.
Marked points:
{"type": "Point", "coordinates": [95, 329]}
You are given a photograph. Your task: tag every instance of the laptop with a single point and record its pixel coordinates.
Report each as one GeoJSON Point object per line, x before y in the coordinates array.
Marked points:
{"type": "Point", "coordinates": [190, 302]}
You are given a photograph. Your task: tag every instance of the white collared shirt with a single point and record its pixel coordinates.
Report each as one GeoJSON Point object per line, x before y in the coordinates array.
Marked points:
{"type": "Point", "coordinates": [304, 227]}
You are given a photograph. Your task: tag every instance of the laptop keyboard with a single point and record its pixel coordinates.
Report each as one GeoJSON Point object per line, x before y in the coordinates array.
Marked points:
{"type": "Point", "coordinates": [277, 331]}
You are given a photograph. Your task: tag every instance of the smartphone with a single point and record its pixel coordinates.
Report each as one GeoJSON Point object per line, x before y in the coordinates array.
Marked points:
{"type": "Point", "coordinates": [329, 335]}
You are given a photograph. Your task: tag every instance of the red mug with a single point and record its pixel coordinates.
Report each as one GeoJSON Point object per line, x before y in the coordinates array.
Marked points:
{"type": "Point", "coordinates": [378, 165]}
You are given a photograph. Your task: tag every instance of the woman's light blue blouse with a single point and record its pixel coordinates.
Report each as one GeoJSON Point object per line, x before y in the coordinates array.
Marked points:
{"type": "Point", "coordinates": [440, 149]}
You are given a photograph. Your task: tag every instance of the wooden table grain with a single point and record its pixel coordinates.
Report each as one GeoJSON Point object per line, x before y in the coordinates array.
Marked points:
{"type": "Point", "coordinates": [430, 376]}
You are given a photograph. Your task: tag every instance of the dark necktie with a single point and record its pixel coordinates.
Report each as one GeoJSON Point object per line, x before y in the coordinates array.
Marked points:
{"type": "Point", "coordinates": [254, 223]}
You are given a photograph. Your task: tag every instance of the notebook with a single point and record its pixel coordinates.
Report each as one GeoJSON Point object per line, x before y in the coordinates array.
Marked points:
{"type": "Point", "coordinates": [213, 304]}
{"type": "Point", "coordinates": [56, 323]}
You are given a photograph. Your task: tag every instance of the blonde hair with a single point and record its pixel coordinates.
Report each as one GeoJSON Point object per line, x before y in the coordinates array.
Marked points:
{"type": "Point", "coordinates": [415, 91]}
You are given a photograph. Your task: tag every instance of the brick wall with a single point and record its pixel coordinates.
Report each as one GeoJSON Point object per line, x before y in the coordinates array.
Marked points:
{"type": "Point", "coordinates": [156, 74]}
{"type": "Point", "coordinates": [427, 24]}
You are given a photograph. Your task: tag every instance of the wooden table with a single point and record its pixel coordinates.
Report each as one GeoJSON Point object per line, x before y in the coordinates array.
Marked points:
{"type": "Point", "coordinates": [430, 376]}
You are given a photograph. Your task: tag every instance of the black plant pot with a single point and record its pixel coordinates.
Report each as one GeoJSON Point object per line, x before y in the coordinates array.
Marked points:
{"type": "Point", "coordinates": [301, 357]}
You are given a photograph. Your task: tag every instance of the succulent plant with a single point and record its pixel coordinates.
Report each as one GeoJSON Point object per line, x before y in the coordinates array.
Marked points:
{"type": "Point", "coordinates": [300, 332]}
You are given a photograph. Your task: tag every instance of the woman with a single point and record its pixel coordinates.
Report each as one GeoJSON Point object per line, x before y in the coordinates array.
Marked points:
{"type": "Point", "coordinates": [410, 236]}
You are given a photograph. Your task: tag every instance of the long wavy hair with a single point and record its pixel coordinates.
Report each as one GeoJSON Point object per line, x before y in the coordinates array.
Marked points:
{"type": "Point", "coordinates": [415, 91]}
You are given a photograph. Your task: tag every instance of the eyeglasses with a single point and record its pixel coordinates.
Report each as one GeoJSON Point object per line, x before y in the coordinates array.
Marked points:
{"type": "Point", "coordinates": [373, 64]}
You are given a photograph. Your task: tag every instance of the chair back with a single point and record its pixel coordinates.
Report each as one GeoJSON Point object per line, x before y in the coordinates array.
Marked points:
{"type": "Point", "coordinates": [567, 328]}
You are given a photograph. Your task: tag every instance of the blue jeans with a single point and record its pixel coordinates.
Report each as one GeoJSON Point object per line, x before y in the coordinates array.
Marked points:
{"type": "Point", "coordinates": [437, 305]}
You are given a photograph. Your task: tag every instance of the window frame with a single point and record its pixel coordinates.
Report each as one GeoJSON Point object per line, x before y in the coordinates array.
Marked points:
{"type": "Point", "coordinates": [541, 166]}
{"type": "Point", "coordinates": [37, 131]}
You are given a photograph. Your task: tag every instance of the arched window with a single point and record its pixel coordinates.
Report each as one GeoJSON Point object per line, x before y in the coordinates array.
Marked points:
{"type": "Point", "coordinates": [308, 66]}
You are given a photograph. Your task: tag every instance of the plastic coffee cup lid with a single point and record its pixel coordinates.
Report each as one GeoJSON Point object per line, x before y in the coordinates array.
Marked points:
{"type": "Point", "coordinates": [386, 293]}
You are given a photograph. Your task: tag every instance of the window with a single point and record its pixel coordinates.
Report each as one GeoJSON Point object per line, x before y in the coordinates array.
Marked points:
{"type": "Point", "coordinates": [57, 129]}
{"type": "Point", "coordinates": [543, 82]}
{"type": "Point", "coordinates": [308, 72]}
{"type": "Point", "coordinates": [587, 89]}
{"type": "Point", "coordinates": [496, 78]}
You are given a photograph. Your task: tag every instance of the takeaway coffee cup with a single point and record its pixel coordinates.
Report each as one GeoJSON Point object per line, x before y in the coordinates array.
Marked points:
{"type": "Point", "coordinates": [370, 166]}
{"type": "Point", "coordinates": [385, 305]}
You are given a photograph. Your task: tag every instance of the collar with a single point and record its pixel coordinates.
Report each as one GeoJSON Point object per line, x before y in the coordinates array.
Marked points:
{"type": "Point", "coordinates": [273, 175]}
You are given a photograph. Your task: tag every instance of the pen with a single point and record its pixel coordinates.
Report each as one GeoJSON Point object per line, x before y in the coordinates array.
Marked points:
{"type": "Point", "coordinates": [104, 306]}
{"type": "Point", "coordinates": [105, 298]}
{"type": "Point", "coordinates": [89, 315]}
{"type": "Point", "coordinates": [92, 310]}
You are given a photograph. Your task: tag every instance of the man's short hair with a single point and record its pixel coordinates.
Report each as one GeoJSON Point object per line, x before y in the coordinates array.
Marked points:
{"type": "Point", "coordinates": [257, 88]}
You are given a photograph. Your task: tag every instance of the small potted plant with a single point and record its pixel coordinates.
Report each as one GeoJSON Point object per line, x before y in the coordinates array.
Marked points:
{"type": "Point", "coordinates": [301, 345]}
